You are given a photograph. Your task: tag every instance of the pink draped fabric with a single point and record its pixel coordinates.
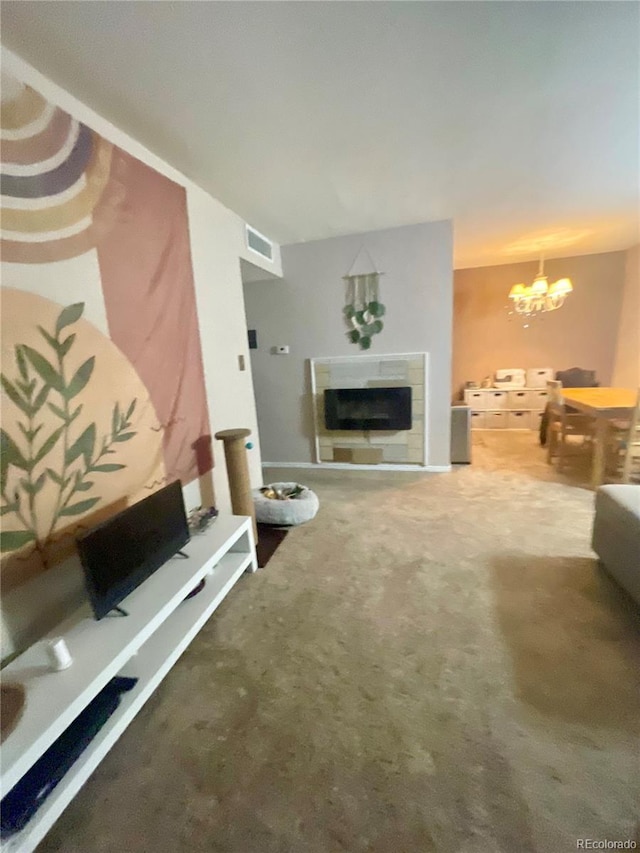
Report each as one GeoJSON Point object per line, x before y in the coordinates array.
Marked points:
{"type": "Point", "coordinates": [147, 281]}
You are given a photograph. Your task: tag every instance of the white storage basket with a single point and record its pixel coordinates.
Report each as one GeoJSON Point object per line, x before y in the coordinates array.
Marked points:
{"type": "Point", "coordinates": [476, 399]}
{"type": "Point", "coordinates": [495, 420]}
{"type": "Point", "coordinates": [518, 399]}
{"type": "Point", "coordinates": [496, 399]}
{"type": "Point", "coordinates": [537, 377]}
{"type": "Point", "coordinates": [538, 400]}
{"type": "Point", "coordinates": [519, 420]}
{"type": "Point", "coordinates": [536, 418]}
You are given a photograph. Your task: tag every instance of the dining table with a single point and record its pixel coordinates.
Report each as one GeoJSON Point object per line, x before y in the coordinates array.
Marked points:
{"type": "Point", "coordinates": [603, 405]}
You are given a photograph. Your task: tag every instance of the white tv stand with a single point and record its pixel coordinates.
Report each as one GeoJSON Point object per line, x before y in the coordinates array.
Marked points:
{"type": "Point", "coordinates": [144, 645]}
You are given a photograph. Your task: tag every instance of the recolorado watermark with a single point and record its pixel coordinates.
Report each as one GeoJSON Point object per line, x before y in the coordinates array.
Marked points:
{"type": "Point", "coordinates": [605, 844]}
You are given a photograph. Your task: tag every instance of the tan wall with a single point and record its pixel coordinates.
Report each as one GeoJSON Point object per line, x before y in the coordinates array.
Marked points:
{"type": "Point", "coordinates": [583, 333]}
{"type": "Point", "coordinates": [626, 372]}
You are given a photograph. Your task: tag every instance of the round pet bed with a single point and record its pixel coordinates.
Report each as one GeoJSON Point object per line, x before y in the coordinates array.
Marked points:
{"type": "Point", "coordinates": [295, 510]}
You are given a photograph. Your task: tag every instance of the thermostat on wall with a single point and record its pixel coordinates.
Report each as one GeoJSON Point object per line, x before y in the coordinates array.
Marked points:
{"type": "Point", "coordinates": [281, 350]}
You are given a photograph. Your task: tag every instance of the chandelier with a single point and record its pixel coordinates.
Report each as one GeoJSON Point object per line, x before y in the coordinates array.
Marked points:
{"type": "Point", "coordinates": [540, 297]}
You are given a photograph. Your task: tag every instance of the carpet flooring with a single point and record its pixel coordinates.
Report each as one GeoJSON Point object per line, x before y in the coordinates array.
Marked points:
{"type": "Point", "coordinates": [435, 663]}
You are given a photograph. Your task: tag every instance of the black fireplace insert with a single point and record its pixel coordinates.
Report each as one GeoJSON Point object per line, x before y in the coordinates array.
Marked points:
{"type": "Point", "coordinates": [367, 408]}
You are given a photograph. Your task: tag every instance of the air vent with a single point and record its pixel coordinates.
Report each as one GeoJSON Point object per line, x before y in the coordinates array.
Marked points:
{"type": "Point", "coordinates": [259, 243]}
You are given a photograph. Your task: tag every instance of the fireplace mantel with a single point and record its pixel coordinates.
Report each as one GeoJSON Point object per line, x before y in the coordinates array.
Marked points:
{"type": "Point", "coordinates": [395, 449]}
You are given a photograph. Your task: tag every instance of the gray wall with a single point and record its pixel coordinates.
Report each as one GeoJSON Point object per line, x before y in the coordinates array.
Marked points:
{"type": "Point", "coordinates": [304, 310]}
{"type": "Point", "coordinates": [583, 333]}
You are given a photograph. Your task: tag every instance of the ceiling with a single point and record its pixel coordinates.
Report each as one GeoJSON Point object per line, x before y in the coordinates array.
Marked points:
{"type": "Point", "coordinates": [518, 120]}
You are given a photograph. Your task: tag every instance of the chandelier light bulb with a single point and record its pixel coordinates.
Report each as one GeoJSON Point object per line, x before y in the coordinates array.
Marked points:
{"type": "Point", "coordinates": [540, 296]}
{"type": "Point", "coordinates": [563, 285]}
{"type": "Point", "coordinates": [539, 286]}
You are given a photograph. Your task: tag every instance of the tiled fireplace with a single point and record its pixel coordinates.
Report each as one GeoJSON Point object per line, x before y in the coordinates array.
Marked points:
{"type": "Point", "coordinates": [404, 375]}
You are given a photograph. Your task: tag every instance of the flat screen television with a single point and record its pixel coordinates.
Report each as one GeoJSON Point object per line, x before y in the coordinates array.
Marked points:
{"type": "Point", "coordinates": [123, 551]}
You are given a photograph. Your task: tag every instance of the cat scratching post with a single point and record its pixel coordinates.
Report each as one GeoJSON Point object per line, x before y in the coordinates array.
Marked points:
{"type": "Point", "coordinates": [238, 472]}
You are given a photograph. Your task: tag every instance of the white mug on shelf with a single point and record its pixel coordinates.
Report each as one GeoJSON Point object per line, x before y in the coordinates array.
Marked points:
{"type": "Point", "coordinates": [58, 654]}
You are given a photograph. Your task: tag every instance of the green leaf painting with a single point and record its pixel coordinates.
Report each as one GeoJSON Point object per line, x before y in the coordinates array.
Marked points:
{"type": "Point", "coordinates": [21, 361]}
{"type": "Point", "coordinates": [125, 436]}
{"type": "Point", "coordinates": [83, 446]}
{"type": "Point", "coordinates": [41, 398]}
{"type": "Point", "coordinates": [27, 388]}
{"type": "Point", "coordinates": [13, 394]}
{"type": "Point", "coordinates": [69, 315]}
{"type": "Point", "coordinates": [80, 379]}
{"type": "Point", "coordinates": [57, 479]}
{"type": "Point", "coordinates": [79, 508]}
{"type": "Point", "coordinates": [115, 419]}
{"type": "Point", "coordinates": [65, 346]}
{"type": "Point", "coordinates": [51, 445]}
{"type": "Point", "coordinates": [11, 452]}
{"type": "Point", "coordinates": [39, 483]}
{"type": "Point", "coordinates": [49, 339]}
{"type": "Point", "coordinates": [46, 370]}
{"type": "Point", "coordinates": [48, 445]}
{"type": "Point", "coordinates": [29, 434]}
{"type": "Point", "coordinates": [12, 539]}
{"type": "Point", "coordinates": [57, 411]}
{"type": "Point", "coordinates": [107, 468]}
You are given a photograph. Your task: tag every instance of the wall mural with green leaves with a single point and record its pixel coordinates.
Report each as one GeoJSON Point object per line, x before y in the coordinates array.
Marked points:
{"type": "Point", "coordinates": [103, 394]}
{"type": "Point", "coordinates": [42, 384]}
{"type": "Point", "coordinates": [80, 437]}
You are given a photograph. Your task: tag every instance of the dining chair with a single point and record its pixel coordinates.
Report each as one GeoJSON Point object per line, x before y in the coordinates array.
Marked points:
{"type": "Point", "coordinates": [577, 377]}
{"type": "Point", "coordinates": [562, 425]}
{"type": "Point", "coordinates": [623, 450]}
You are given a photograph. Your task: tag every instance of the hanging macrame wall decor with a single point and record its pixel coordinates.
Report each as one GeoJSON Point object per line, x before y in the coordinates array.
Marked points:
{"type": "Point", "coordinates": [363, 311]}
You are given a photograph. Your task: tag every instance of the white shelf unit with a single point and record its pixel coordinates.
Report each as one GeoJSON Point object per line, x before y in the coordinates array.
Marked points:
{"type": "Point", "coordinates": [144, 645]}
{"type": "Point", "coordinates": [501, 408]}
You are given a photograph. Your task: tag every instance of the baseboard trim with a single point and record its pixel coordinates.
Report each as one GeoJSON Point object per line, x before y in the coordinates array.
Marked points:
{"type": "Point", "coordinates": [349, 466]}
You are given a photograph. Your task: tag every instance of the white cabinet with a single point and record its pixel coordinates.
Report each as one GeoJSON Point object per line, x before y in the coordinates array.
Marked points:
{"type": "Point", "coordinates": [493, 408]}
{"type": "Point", "coordinates": [145, 645]}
